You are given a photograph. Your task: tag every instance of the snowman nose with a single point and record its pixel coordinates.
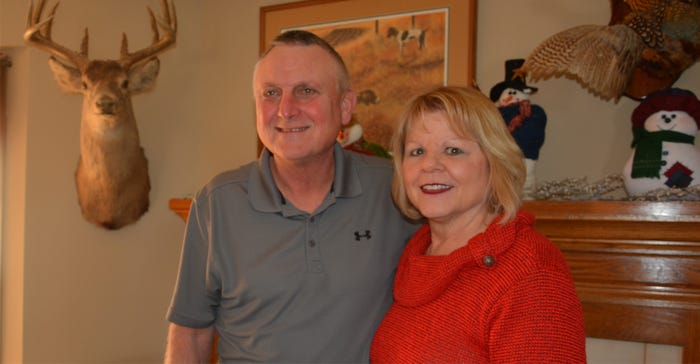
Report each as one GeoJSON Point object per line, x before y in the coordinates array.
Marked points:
{"type": "Point", "coordinates": [668, 118]}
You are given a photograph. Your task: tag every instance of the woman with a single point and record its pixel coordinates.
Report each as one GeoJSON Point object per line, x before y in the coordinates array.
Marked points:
{"type": "Point", "coordinates": [477, 283]}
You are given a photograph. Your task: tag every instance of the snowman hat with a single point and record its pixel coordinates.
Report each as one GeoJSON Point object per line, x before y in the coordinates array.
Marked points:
{"type": "Point", "coordinates": [512, 80]}
{"type": "Point", "coordinates": [671, 99]}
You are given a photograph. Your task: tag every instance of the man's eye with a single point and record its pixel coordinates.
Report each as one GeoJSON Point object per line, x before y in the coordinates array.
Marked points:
{"type": "Point", "coordinates": [270, 93]}
{"type": "Point", "coordinates": [306, 91]}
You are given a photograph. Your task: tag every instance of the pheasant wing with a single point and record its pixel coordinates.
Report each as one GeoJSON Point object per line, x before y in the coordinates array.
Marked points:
{"type": "Point", "coordinates": [600, 58]}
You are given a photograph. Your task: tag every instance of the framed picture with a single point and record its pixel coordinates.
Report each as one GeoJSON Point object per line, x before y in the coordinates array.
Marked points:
{"type": "Point", "coordinates": [394, 49]}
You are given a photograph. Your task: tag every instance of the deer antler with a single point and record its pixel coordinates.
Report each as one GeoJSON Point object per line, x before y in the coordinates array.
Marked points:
{"type": "Point", "coordinates": [34, 36]}
{"type": "Point", "coordinates": [169, 25]}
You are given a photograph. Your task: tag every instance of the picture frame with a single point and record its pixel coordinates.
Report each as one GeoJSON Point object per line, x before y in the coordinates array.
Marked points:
{"type": "Point", "coordinates": [450, 24]}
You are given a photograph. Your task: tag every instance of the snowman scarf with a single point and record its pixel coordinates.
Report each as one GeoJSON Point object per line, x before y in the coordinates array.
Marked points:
{"type": "Point", "coordinates": [647, 155]}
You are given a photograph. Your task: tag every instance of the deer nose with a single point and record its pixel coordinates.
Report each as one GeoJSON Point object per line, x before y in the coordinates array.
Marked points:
{"type": "Point", "coordinates": [106, 105]}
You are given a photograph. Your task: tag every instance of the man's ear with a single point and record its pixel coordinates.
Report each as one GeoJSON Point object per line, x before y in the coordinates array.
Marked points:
{"type": "Point", "coordinates": [68, 78]}
{"type": "Point", "coordinates": [347, 106]}
{"type": "Point", "coordinates": [142, 77]}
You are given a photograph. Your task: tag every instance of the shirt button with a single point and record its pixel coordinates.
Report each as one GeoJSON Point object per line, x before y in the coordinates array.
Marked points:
{"type": "Point", "coordinates": [663, 163]}
{"type": "Point", "coordinates": [488, 261]}
{"type": "Point", "coordinates": [312, 219]}
{"type": "Point", "coordinates": [312, 243]}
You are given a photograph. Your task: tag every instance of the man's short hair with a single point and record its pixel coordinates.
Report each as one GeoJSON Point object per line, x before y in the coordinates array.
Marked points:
{"type": "Point", "coordinates": [306, 38]}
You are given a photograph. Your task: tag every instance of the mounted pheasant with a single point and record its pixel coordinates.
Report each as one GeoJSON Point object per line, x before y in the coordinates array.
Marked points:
{"type": "Point", "coordinates": [645, 47]}
{"type": "Point", "coordinates": [112, 175]}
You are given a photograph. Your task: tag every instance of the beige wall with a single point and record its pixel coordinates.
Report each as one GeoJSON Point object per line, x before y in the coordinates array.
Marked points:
{"type": "Point", "coordinates": [586, 136]}
{"type": "Point", "coordinates": [75, 293]}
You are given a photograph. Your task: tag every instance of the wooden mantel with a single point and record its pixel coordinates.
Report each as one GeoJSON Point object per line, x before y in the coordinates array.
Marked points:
{"type": "Point", "coordinates": [636, 266]}
{"type": "Point", "coordinates": [181, 206]}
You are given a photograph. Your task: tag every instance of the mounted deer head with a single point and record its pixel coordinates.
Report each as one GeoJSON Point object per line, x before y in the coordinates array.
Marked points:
{"type": "Point", "coordinates": [112, 175]}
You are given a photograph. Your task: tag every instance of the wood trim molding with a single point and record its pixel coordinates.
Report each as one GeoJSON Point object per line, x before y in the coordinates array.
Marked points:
{"type": "Point", "coordinates": [180, 206]}
{"type": "Point", "coordinates": [636, 266]}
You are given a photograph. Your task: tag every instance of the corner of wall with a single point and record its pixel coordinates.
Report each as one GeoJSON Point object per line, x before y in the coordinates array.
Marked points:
{"type": "Point", "coordinates": [14, 154]}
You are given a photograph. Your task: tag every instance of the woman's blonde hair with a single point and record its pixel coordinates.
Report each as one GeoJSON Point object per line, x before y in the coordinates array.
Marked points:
{"type": "Point", "coordinates": [470, 114]}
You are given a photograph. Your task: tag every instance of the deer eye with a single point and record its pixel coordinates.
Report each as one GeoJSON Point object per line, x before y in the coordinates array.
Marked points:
{"type": "Point", "coordinates": [125, 84]}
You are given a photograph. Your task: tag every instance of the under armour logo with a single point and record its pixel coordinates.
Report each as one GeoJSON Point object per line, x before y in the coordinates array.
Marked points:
{"type": "Point", "coordinates": [367, 235]}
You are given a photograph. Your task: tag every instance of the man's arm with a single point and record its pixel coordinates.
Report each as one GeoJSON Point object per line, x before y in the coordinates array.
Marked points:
{"type": "Point", "coordinates": [188, 345]}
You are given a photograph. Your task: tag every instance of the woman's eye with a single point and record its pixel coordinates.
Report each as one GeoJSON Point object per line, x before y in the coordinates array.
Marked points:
{"type": "Point", "coordinates": [415, 152]}
{"type": "Point", "coordinates": [453, 151]}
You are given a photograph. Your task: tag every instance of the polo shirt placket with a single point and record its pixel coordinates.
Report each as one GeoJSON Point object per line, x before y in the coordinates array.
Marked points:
{"type": "Point", "coordinates": [313, 246]}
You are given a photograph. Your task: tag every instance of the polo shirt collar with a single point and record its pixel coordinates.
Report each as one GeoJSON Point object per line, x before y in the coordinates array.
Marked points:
{"type": "Point", "coordinates": [347, 182]}
{"type": "Point", "coordinates": [266, 197]}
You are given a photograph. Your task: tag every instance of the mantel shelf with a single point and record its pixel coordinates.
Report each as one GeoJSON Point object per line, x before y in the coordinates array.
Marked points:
{"type": "Point", "coordinates": [680, 211]}
{"type": "Point", "coordinates": [181, 206]}
{"type": "Point", "coordinates": [636, 266]}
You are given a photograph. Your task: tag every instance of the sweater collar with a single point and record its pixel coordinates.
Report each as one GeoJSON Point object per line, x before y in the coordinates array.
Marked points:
{"type": "Point", "coordinates": [421, 279]}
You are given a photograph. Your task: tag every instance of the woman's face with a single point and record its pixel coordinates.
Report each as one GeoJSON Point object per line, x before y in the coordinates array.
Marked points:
{"type": "Point", "coordinates": [446, 175]}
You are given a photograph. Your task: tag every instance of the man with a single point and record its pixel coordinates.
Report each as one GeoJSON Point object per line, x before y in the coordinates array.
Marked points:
{"type": "Point", "coordinates": [291, 258]}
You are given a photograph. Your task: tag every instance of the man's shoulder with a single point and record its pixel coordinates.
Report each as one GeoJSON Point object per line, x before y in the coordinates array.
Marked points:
{"type": "Point", "coordinates": [239, 175]}
{"type": "Point", "coordinates": [364, 161]}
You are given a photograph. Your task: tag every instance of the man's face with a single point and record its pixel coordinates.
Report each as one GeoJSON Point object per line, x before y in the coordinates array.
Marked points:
{"type": "Point", "coordinates": [299, 106]}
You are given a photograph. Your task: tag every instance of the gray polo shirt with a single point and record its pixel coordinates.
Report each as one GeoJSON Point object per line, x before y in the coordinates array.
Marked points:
{"type": "Point", "coordinates": [282, 285]}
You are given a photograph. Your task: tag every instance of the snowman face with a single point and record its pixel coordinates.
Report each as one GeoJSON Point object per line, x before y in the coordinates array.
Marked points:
{"type": "Point", "coordinates": [679, 121]}
{"type": "Point", "coordinates": [511, 96]}
{"type": "Point", "coordinates": [350, 135]}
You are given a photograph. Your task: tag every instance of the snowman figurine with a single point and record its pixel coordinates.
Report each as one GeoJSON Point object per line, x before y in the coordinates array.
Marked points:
{"type": "Point", "coordinates": [664, 155]}
{"type": "Point", "coordinates": [525, 120]}
{"type": "Point", "coordinates": [351, 138]}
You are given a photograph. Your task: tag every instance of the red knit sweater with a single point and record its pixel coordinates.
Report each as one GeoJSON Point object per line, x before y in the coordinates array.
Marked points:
{"type": "Point", "coordinates": [505, 297]}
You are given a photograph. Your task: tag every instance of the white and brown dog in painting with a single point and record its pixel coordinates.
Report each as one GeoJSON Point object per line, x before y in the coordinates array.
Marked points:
{"type": "Point", "coordinates": [407, 35]}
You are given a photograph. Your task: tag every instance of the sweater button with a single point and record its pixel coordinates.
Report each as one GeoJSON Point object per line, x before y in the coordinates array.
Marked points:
{"type": "Point", "coordinates": [488, 261]}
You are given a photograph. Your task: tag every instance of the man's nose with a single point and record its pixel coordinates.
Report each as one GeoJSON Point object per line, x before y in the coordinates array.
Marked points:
{"type": "Point", "coordinates": [287, 107]}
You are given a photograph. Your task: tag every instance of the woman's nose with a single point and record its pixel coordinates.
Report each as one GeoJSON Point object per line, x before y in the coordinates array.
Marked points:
{"type": "Point", "coordinates": [432, 162]}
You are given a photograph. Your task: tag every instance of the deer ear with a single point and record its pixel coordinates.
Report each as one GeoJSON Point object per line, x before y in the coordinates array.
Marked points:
{"type": "Point", "coordinates": [142, 77]}
{"type": "Point", "coordinates": [68, 78]}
